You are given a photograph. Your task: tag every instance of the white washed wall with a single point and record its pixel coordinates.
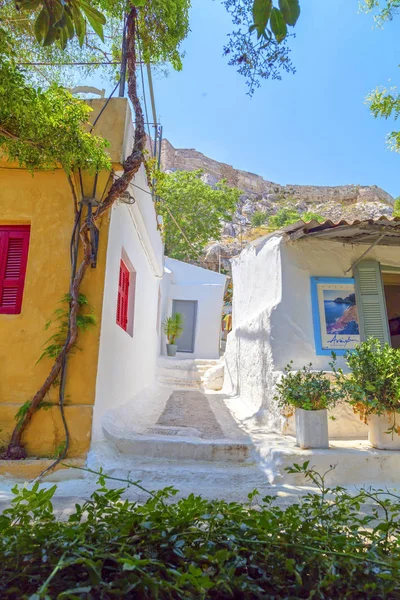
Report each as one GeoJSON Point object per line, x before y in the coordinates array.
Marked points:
{"type": "Point", "coordinates": [127, 364]}
{"type": "Point", "coordinates": [272, 320]}
{"type": "Point", "coordinates": [188, 282]}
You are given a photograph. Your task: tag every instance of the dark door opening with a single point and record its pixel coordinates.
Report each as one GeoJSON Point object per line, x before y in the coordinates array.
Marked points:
{"type": "Point", "coordinates": [188, 308]}
{"type": "Point", "coordinates": [391, 286]}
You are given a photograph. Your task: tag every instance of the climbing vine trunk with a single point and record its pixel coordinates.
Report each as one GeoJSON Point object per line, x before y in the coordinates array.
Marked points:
{"type": "Point", "coordinates": [15, 449]}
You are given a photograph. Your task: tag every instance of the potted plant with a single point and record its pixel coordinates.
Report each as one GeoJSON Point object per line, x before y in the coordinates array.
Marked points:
{"type": "Point", "coordinates": [173, 329]}
{"type": "Point", "coordinates": [372, 387]}
{"type": "Point", "coordinates": [310, 393]}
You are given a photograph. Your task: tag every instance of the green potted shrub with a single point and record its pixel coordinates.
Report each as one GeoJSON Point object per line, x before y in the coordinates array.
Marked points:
{"type": "Point", "coordinates": [372, 387]}
{"type": "Point", "coordinates": [310, 393]}
{"type": "Point", "coordinates": [173, 329]}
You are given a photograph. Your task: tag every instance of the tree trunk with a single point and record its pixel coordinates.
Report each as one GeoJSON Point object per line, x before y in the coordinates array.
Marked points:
{"type": "Point", "coordinates": [15, 449]}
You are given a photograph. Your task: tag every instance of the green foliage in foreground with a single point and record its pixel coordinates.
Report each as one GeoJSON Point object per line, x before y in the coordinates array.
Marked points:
{"type": "Point", "coordinates": [324, 547]}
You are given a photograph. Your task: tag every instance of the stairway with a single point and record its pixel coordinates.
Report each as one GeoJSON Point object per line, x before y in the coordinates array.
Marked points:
{"type": "Point", "coordinates": [191, 426]}
{"type": "Point", "coordinates": [183, 373]}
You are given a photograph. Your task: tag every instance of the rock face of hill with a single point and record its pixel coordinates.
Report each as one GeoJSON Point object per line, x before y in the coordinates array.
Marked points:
{"type": "Point", "coordinates": [341, 202]}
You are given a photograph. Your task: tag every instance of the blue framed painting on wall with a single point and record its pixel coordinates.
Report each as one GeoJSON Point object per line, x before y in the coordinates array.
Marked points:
{"type": "Point", "coordinates": [335, 316]}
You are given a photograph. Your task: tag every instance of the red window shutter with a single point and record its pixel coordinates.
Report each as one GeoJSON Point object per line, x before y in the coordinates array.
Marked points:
{"type": "Point", "coordinates": [14, 243]}
{"type": "Point", "coordinates": [123, 296]}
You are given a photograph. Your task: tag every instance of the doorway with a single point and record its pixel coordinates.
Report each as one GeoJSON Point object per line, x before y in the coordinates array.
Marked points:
{"type": "Point", "coordinates": [391, 286]}
{"type": "Point", "coordinates": [188, 308]}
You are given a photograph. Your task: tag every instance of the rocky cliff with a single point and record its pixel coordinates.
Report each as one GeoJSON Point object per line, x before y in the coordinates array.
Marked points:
{"type": "Point", "coordinates": [341, 202]}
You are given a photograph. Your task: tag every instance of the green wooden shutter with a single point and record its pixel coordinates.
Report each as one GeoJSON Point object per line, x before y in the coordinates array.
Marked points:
{"type": "Point", "coordinates": [371, 302]}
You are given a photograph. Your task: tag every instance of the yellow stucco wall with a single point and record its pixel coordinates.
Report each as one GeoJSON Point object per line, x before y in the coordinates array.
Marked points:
{"type": "Point", "coordinates": [44, 201]}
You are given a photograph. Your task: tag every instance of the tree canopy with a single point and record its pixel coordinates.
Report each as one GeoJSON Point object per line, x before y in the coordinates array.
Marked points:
{"type": "Point", "coordinates": [89, 33]}
{"type": "Point", "coordinates": [193, 212]}
{"type": "Point", "coordinates": [385, 102]}
{"type": "Point", "coordinates": [44, 129]}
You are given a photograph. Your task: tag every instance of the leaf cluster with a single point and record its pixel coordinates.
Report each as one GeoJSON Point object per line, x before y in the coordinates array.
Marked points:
{"type": "Point", "coordinates": [270, 20]}
{"type": "Point", "coordinates": [306, 389]}
{"type": "Point", "coordinates": [384, 10]}
{"type": "Point", "coordinates": [62, 21]}
{"type": "Point", "coordinates": [372, 385]}
{"type": "Point", "coordinates": [89, 32]}
{"type": "Point", "coordinates": [385, 103]}
{"type": "Point", "coordinates": [60, 321]}
{"type": "Point", "coordinates": [328, 545]}
{"type": "Point", "coordinates": [44, 129]}
{"type": "Point", "coordinates": [193, 210]}
{"type": "Point", "coordinates": [288, 215]}
{"type": "Point", "coordinates": [173, 327]}
{"type": "Point", "coordinates": [255, 57]}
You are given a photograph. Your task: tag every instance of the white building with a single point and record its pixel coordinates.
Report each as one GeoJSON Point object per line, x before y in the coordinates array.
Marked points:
{"type": "Point", "coordinates": [128, 357]}
{"type": "Point", "coordinates": [198, 294]}
{"type": "Point", "coordinates": [141, 288]}
{"type": "Point", "coordinates": [293, 302]}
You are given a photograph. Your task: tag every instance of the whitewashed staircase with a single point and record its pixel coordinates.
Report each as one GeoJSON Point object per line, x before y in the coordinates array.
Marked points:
{"type": "Point", "coordinates": [183, 373]}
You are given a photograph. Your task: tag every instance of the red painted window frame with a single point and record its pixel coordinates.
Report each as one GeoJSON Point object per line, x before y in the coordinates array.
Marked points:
{"type": "Point", "coordinates": [123, 296]}
{"type": "Point", "coordinates": [7, 234]}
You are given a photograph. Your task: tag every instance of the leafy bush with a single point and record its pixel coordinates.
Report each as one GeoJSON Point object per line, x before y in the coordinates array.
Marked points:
{"type": "Point", "coordinates": [373, 384]}
{"type": "Point", "coordinates": [396, 208]}
{"type": "Point", "coordinates": [288, 215]}
{"type": "Point", "coordinates": [259, 218]}
{"type": "Point", "coordinates": [307, 389]}
{"type": "Point", "coordinates": [329, 545]}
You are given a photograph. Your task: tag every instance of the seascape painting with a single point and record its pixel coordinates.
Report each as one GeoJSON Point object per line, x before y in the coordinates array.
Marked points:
{"type": "Point", "coordinates": [335, 315]}
{"type": "Point", "coordinates": [340, 313]}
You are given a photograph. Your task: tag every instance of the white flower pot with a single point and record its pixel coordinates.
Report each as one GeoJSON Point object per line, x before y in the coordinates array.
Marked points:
{"type": "Point", "coordinates": [377, 436]}
{"type": "Point", "coordinates": [312, 428]}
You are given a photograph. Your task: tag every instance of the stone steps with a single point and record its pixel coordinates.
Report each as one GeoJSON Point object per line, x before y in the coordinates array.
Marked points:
{"type": "Point", "coordinates": [180, 448]}
{"type": "Point", "coordinates": [183, 373]}
{"type": "Point", "coordinates": [191, 426]}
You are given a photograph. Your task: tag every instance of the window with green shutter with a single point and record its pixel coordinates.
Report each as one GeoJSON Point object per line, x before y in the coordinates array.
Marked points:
{"type": "Point", "coordinates": [371, 301]}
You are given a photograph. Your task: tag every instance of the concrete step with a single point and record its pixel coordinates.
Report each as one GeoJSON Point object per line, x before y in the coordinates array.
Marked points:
{"type": "Point", "coordinates": [346, 462]}
{"type": "Point", "coordinates": [179, 383]}
{"type": "Point", "coordinates": [203, 362]}
{"type": "Point", "coordinates": [172, 445]}
{"type": "Point", "coordinates": [183, 373]}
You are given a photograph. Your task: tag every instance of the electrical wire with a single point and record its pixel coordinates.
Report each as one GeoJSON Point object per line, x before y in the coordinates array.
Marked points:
{"type": "Point", "coordinates": [104, 107]}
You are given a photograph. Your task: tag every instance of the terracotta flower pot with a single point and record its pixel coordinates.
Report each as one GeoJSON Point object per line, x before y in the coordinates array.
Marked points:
{"type": "Point", "coordinates": [377, 434]}
{"type": "Point", "coordinates": [312, 428]}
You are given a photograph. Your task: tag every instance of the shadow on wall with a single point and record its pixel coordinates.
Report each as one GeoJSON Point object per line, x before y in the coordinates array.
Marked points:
{"type": "Point", "coordinates": [250, 368]}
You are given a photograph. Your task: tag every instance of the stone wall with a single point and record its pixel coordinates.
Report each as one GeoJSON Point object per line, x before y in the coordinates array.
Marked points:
{"type": "Point", "coordinates": [254, 185]}
{"type": "Point", "coordinates": [348, 202]}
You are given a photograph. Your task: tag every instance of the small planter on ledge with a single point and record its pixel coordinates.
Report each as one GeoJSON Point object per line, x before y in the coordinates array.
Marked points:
{"type": "Point", "coordinates": [383, 433]}
{"type": "Point", "coordinates": [312, 428]}
{"type": "Point", "coordinates": [171, 349]}
{"type": "Point", "coordinates": [173, 329]}
{"type": "Point", "coordinates": [310, 393]}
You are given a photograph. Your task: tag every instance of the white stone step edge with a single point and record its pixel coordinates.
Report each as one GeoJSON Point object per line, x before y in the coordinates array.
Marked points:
{"type": "Point", "coordinates": [156, 446]}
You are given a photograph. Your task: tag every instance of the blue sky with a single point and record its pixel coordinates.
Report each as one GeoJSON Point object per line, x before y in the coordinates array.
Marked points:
{"type": "Point", "coordinates": [310, 128]}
